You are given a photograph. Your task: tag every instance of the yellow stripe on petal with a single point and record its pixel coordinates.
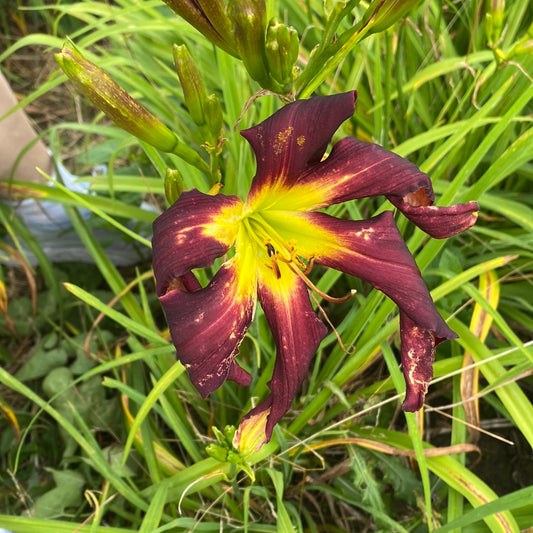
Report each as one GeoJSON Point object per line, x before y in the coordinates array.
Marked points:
{"type": "Point", "coordinates": [224, 226]}
{"type": "Point", "coordinates": [299, 197]}
{"type": "Point", "coordinates": [307, 238]}
{"type": "Point", "coordinates": [192, 233]}
{"type": "Point", "coordinates": [246, 261]}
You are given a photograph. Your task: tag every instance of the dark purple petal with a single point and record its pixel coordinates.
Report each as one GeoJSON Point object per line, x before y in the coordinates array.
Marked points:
{"type": "Point", "coordinates": [357, 169]}
{"type": "Point", "coordinates": [294, 137]}
{"type": "Point", "coordinates": [207, 327]}
{"type": "Point", "coordinates": [418, 348]}
{"type": "Point", "coordinates": [374, 251]}
{"type": "Point", "coordinates": [439, 222]}
{"type": "Point", "coordinates": [297, 333]}
{"type": "Point", "coordinates": [193, 232]}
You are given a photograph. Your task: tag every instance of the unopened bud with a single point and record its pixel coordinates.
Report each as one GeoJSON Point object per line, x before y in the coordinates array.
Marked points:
{"type": "Point", "coordinates": [205, 111]}
{"type": "Point", "coordinates": [217, 452]}
{"type": "Point", "coordinates": [209, 18]}
{"type": "Point", "coordinates": [215, 11]}
{"type": "Point", "coordinates": [173, 185]}
{"type": "Point", "coordinates": [494, 20]}
{"type": "Point", "coordinates": [213, 115]}
{"type": "Point", "coordinates": [248, 18]}
{"type": "Point", "coordinates": [191, 83]}
{"type": "Point", "coordinates": [281, 50]}
{"type": "Point", "coordinates": [115, 102]}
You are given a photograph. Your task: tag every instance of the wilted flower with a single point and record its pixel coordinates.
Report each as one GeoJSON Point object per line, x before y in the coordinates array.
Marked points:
{"type": "Point", "coordinates": [209, 18]}
{"type": "Point", "coordinates": [241, 28]}
{"type": "Point", "coordinates": [277, 234]}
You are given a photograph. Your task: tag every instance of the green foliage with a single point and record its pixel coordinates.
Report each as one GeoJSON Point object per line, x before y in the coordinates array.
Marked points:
{"type": "Point", "coordinates": [91, 396]}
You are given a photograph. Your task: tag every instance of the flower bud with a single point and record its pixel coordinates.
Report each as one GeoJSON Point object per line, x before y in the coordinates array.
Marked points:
{"type": "Point", "coordinates": [205, 111]}
{"type": "Point", "coordinates": [213, 115]}
{"type": "Point", "coordinates": [209, 18]}
{"type": "Point", "coordinates": [248, 18]}
{"type": "Point", "coordinates": [217, 452]}
{"type": "Point", "coordinates": [250, 435]}
{"type": "Point", "coordinates": [191, 83]}
{"type": "Point", "coordinates": [494, 21]}
{"type": "Point", "coordinates": [117, 104]}
{"type": "Point", "coordinates": [281, 50]}
{"type": "Point", "coordinates": [173, 185]}
{"type": "Point", "coordinates": [382, 14]}
{"type": "Point", "coordinates": [215, 11]}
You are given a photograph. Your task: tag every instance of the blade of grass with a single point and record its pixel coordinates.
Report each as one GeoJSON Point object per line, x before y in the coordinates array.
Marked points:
{"type": "Point", "coordinates": [159, 388]}
{"type": "Point", "coordinates": [129, 324]}
{"type": "Point", "coordinates": [510, 394]}
{"type": "Point", "coordinates": [152, 518]}
{"type": "Point", "coordinates": [414, 422]}
{"type": "Point", "coordinates": [455, 475]}
{"type": "Point", "coordinates": [508, 502]}
{"type": "Point", "coordinates": [284, 523]}
{"type": "Point", "coordinates": [32, 525]}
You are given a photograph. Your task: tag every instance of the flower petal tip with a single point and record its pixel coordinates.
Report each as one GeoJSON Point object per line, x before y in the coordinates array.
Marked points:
{"type": "Point", "coordinates": [414, 400]}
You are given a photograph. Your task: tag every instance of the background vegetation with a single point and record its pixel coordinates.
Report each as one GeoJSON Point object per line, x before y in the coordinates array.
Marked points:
{"type": "Point", "coordinates": [101, 429]}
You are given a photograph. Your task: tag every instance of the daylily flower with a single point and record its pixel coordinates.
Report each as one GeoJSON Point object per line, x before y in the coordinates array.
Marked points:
{"type": "Point", "coordinates": [277, 234]}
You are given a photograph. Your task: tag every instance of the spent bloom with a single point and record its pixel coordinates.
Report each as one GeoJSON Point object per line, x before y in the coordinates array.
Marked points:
{"type": "Point", "coordinates": [273, 239]}
{"type": "Point", "coordinates": [268, 49]}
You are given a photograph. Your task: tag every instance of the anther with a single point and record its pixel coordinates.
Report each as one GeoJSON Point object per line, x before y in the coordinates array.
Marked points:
{"type": "Point", "coordinates": [271, 251]}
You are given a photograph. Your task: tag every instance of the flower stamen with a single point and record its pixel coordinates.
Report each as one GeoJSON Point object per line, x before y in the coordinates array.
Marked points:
{"type": "Point", "coordinates": [294, 262]}
{"type": "Point", "coordinates": [314, 288]}
{"type": "Point", "coordinates": [271, 251]}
